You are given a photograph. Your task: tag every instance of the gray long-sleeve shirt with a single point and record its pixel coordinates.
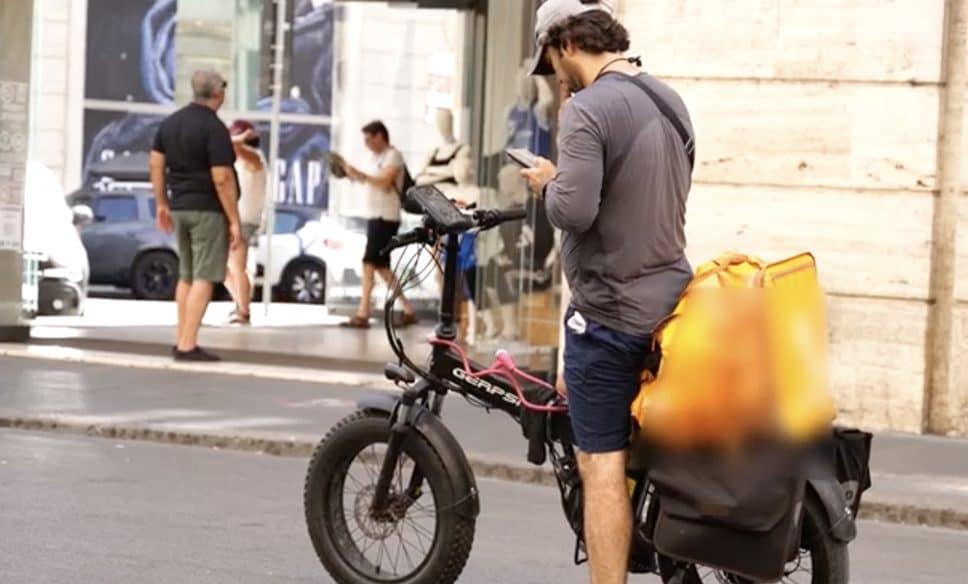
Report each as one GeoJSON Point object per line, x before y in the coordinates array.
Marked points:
{"type": "Point", "coordinates": [620, 199]}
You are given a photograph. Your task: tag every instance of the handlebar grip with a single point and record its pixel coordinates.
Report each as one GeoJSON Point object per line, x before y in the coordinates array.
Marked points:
{"type": "Point", "coordinates": [493, 218]}
{"type": "Point", "coordinates": [515, 214]}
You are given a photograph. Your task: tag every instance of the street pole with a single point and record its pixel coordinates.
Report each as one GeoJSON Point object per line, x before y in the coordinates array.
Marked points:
{"type": "Point", "coordinates": [16, 24]}
{"type": "Point", "coordinates": [941, 398]}
{"type": "Point", "coordinates": [274, 127]}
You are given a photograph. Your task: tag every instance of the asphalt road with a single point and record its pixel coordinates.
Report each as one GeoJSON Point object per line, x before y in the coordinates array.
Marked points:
{"type": "Point", "coordinates": [95, 510]}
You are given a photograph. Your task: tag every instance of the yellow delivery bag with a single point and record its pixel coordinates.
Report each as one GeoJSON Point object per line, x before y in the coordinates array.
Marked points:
{"type": "Point", "coordinates": [744, 355]}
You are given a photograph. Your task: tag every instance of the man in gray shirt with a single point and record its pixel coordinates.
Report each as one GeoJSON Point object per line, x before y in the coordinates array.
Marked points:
{"type": "Point", "coordinates": [619, 196]}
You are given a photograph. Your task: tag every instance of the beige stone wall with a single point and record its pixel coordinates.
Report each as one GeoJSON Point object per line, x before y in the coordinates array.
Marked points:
{"type": "Point", "coordinates": [51, 63]}
{"type": "Point", "coordinates": [817, 129]}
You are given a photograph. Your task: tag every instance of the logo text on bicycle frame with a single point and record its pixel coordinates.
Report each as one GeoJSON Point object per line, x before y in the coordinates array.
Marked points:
{"type": "Point", "coordinates": [487, 386]}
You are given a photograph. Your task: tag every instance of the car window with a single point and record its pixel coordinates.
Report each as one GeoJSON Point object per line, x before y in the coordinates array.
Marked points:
{"type": "Point", "coordinates": [115, 209]}
{"type": "Point", "coordinates": [287, 222]}
{"type": "Point", "coordinates": [79, 199]}
{"type": "Point", "coordinates": [152, 207]}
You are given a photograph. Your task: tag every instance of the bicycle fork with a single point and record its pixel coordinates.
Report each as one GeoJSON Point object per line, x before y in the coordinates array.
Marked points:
{"type": "Point", "coordinates": [382, 505]}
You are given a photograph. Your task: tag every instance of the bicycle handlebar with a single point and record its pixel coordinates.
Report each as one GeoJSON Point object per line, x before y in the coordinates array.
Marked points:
{"type": "Point", "coordinates": [493, 218]}
{"type": "Point", "coordinates": [418, 235]}
{"type": "Point", "coordinates": [483, 220]}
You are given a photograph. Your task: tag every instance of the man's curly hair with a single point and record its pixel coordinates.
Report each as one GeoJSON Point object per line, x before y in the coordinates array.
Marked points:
{"type": "Point", "coordinates": [594, 32]}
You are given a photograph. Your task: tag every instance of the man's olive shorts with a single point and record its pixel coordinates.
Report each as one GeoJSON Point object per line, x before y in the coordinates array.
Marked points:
{"type": "Point", "coordinates": [203, 245]}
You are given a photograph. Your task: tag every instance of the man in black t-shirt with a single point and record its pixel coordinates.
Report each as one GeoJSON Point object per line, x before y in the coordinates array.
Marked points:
{"type": "Point", "coordinates": [193, 159]}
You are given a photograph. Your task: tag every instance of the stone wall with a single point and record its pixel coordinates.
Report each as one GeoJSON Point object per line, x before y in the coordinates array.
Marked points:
{"type": "Point", "coordinates": [817, 127]}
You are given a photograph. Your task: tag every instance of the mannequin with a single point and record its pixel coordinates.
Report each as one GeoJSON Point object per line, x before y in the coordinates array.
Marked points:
{"type": "Point", "coordinates": [529, 118]}
{"type": "Point", "coordinates": [439, 168]}
{"type": "Point", "coordinates": [498, 251]}
{"type": "Point", "coordinates": [466, 193]}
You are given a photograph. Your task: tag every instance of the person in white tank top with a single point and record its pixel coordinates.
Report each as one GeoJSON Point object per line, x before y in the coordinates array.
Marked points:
{"type": "Point", "coordinates": [250, 168]}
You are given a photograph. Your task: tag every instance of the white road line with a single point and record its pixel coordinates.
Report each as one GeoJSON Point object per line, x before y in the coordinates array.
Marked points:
{"type": "Point", "coordinates": [321, 376]}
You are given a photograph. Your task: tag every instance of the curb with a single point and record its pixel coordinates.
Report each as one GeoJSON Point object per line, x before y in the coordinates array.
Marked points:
{"type": "Point", "coordinates": [66, 354]}
{"type": "Point", "coordinates": [872, 508]}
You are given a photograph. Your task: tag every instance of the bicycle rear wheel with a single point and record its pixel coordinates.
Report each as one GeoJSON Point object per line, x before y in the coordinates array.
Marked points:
{"type": "Point", "coordinates": [421, 539]}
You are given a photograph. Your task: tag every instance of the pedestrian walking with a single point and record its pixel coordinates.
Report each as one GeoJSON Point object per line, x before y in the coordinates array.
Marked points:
{"type": "Point", "coordinates": [196, 194]}
{"type": "Point", "coordinates": [250, 167]}
{"type": "Point", "coordinates": [384, 184]}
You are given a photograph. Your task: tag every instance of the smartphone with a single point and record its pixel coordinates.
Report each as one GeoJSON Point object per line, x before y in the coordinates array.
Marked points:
{"type": "Point", "coordinates": [523, 157]}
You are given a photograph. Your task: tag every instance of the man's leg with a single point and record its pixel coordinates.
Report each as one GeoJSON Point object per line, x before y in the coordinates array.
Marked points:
{"type": "Point", "coordinates": [198, 299]}
{"type": "Point", "coordinates": [602, 368]}
{"type": "Point", "coordinates": [608, 515]}
{"type": "Point", "coordinates": [181, 300]}
{"type": "Point", "coordinates": [186, 268]}
{"type": "Point", "coordinates": [209, 243]}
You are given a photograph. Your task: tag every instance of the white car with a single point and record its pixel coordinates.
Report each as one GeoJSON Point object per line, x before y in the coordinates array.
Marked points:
{"type": "Point", "coordinates": [51, 235]}
{"type": "Point", "coordinates": [312, 251]}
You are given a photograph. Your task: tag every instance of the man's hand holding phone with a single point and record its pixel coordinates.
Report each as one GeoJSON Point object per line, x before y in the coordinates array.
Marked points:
{"type": "Point", "coordinates": [538, 177]}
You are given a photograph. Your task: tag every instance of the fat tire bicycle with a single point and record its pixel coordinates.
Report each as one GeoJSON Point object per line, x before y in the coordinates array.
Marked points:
{"type": "Point", "coordinates": [390, 495]}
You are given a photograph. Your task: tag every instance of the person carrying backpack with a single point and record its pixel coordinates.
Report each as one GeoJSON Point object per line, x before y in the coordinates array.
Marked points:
{"type": "Point", "coordinates": [386, 187]}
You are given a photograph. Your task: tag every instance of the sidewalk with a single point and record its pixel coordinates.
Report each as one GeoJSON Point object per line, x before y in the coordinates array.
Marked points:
{"type": "Point", "coordinates": [290, 335]}
{"type": "Point", "coordinates": [921, 480]}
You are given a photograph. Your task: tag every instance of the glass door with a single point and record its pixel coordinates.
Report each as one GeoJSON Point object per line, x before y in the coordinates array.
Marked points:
{"type": "Point", "coordinates": [407, 67]}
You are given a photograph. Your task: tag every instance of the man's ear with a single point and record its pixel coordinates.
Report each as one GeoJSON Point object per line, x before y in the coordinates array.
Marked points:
{"type": "Point", "coordinates": [568, 48]}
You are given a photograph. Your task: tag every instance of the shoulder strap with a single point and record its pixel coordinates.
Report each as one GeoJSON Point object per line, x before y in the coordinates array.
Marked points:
{"type": "Point", "coordinates": [670, 115]}
{"type": "Point", "coordinates": [452, 156]}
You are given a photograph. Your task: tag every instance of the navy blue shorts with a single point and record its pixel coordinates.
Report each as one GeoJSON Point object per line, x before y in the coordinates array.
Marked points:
{"type": "Point", "coordinates": [603, 369]}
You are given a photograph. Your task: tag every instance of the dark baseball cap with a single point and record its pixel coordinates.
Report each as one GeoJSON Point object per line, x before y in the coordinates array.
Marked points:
{"type": "Point", "coordinates": [240, 127]}
{"type": "Point", "coordinates": [555, 12]}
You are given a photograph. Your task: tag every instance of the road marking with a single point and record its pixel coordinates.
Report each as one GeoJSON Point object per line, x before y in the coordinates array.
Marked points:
{"type": "Point", "coordinates": [73, 355]}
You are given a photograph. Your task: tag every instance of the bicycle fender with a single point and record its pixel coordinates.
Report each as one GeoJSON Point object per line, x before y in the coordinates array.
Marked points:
{"type": "Point", "coordinates": [831, 495]}
{"type": "Point", "coordinates": [379, 402]}
{"type": "Point", "coordinates": [444, 444]}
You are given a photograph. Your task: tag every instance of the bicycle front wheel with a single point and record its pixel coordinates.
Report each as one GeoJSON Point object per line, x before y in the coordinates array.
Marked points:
{"type": "Point", "coordinates": [419, 539]}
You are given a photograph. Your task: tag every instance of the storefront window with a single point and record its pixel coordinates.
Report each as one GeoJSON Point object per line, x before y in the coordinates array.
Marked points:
{"type": "Point", "coordinates": [141, 55]}
{"type": "Point", "coordinates": [518, 285]}
{"type": "Point", "coordinates": [404, 66]}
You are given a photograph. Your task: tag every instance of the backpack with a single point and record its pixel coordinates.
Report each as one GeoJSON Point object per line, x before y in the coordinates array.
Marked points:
{"type": "Point", "coordinates": [743, 355]}
{"type": "Point", "coordinates": [408, 183]}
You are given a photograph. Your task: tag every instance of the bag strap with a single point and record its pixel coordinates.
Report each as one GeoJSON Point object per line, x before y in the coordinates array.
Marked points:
{"type": "Point", "coordinates": [687, 141]}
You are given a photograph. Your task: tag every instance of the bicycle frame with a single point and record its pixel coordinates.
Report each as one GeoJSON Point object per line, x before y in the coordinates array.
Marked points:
{"type": "Point", "coordinates": [496, 387]}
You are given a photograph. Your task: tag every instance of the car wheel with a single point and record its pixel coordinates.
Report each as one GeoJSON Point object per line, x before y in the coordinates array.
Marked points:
{"type": "Point", "coordinates": [304, 282]}
{"type": "Point", "coordinates": [154, 276]}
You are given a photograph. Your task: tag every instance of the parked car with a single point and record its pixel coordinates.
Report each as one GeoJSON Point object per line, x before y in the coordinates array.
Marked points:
{"type": "Point", "coordinates": [307, 246]}
{"type": "Point", "coordinates": [124, 247]}
{"type": "Point", "coordinates": [311, 249]}
{"type": "Point", "coordinates": [51, 236]}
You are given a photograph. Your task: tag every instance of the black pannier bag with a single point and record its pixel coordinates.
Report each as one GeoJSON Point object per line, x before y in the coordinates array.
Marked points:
{"type": "Point", "coordinates": [852, 451]}
{"type": "Point", "coordinates": [741, 516]}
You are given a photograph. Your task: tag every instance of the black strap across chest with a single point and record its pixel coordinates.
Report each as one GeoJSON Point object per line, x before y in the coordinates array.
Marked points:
{"type": "Point", "coordinates": [666, 110]}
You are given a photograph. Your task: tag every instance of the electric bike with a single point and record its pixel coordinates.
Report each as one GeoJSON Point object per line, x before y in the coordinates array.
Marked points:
{"type": "Point", "coordinates": [390, 495]}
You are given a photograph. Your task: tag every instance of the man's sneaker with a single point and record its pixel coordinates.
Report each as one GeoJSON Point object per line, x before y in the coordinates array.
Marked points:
{"type": "Point", "coordinates": [198, 355]}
